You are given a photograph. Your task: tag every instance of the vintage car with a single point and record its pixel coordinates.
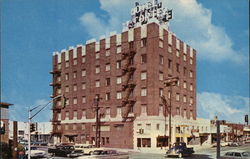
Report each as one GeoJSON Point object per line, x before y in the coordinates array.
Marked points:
{"type": "Point", "coordinates": [86, 148]}
{"type": "Point", "coordinates": [106, 154]}
{"type": "Point", "coordinates": [179, 149]}
{"type": "Point", "coordinates": [236, 155]}
{"type": "Point", "coordinates": [65, 151]}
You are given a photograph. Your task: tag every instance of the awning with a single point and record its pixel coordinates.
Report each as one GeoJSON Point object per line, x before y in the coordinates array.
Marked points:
{"type": "Point", "coordinates": [182, 135]}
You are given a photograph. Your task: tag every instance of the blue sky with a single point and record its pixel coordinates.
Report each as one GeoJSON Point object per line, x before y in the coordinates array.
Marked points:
{"type": "Point", "coordinates": [32, 30]}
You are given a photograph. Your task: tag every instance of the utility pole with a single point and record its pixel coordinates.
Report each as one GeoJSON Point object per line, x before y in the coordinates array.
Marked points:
{"type": "Point", "coordinates": [164, 102]}
{"type": "Point", "coordinates": [32, 116]}
{"type": "Point", "coordinates": [14, 152]}
{"type": "Point", "coordinates": [97, 125]}
{"type": "Point", "coordinates": [218, 139]}
{"type": "Point", "coordinates": [172, 81]}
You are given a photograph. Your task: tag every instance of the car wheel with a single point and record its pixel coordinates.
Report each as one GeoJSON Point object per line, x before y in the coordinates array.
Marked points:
{"type": "Point", "coordinates": [90, 153]}
{"type": "Point", "coordinates": [180, 155]}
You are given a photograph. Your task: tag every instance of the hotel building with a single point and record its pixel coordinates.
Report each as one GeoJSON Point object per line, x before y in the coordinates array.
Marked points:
{"type": "Point", "coordinates": [127, 72]}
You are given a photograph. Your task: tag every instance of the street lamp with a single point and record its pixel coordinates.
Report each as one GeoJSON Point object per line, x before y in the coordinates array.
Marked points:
{"type": "Point", "coordinates": [32, 116]}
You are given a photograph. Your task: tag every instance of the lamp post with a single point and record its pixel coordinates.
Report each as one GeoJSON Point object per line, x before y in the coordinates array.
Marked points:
{"type": "Point", "coordinates": [172, 81]}
{"type": "Point", "coordinates": [32, 116]}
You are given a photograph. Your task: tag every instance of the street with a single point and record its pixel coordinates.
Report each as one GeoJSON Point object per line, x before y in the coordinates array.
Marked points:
{"type": "Point", "coordinates": [208, 153]}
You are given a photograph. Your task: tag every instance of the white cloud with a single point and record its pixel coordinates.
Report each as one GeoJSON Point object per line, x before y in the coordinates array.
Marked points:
{"type": "Point", "coordinates": [231, 108]}
{"type": "Point", "coordinates": [191, 22]}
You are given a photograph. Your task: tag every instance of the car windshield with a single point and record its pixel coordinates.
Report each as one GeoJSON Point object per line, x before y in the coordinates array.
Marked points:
{"type": "Point", "coordinates": [229, 154]}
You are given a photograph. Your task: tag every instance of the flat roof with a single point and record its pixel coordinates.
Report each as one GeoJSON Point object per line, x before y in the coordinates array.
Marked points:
{"type": "Point", "coordinates": [5, 105]}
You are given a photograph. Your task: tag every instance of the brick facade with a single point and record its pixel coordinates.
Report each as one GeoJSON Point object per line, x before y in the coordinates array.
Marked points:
{"type": "Point", "coordinates": [154, 62]}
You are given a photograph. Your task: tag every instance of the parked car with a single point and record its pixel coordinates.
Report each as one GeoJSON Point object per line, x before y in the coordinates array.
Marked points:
{"type": "Point", "coordinates": [179, 149]}
{"type": "Point", "coordinates": [106, 154]}
{"type": "Point", "coordinates": [236, 155]}
{"type": "Point", "coordinates": [65, 151]}
{"type": "Point", "coordinates": [86, 148]}
{"type": "Point", "coordinates": [35, 153]}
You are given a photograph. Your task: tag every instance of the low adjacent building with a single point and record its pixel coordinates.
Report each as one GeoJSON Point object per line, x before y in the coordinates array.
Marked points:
{"type": "Point", "coordinates": [4, 116]}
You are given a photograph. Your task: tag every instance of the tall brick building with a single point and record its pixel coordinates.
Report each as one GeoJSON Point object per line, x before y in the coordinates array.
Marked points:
{"type": "Point", "coordinates": [127, 71]}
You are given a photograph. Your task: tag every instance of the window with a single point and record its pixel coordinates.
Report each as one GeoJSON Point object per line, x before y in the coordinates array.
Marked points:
{"type": "Point", "coordinates": [75, 62]}
{"type": "Point", "coordinates": [191, 73]}
{"type": "Point", "coordinates": [97, 55]}
{"type": "Point", "coordinates": [119, 110]}
{"type": "Point", "coordinates": [83, 73]}
{"type": "Point", "coordinates": [118, 64]}
{"type": "Point", "coordinates": [161, 92]}
{"type": "Point", "coordinates": [83, 86]}
{"type": "Point", "coordinates": [83, 126]}
{"type": "Point", "coordinates": [157, 126]}
{"type": "Point", "coordinates": [83, 59]}
{"type": "Point", "coordinates": [66, 76]}
{"type": "Point", "coordinates": [74, 126]}
{"type": "Point", "coordinates": [144, 92]}
{"type": "Point", "coordinates": [184, 112]}
{"type": "Point", "coordinates": [184, 71]}
{"type": "Point", "coordinates": [107, 81]}
{"type": "Point", "coordinates": [177, 97]}
{"type": "Point", "coordinates": [66, 127]}
{"type": "Point", "coordinates": [108, 111]}
{"type": "Point", "coordinates": [107, 53]}
{"type": "Point", "coordinates": [191, 113]}
{"type": "Point", "coordinates": [119, 95]}
{"type": "Point", "coordinates": [119, 80]}
{"type": "Point", "coordinates": [67, 101]}
{"type": "Point", "coordinates": [144, 109]}
{"type": "Point", "coordinates": [59, 117]}
{"type": "Point", "coordinates": [83, 99]}
{"type": "Point", "coordinates": [59, 66]}
{"type": "Point", "coordinates": [107, 68]}
{"type": "Point", "coordinates": [143, 75]}
{"type": "Point", "coordinates": [161, 60]}
{"type": "Point", "coordinates": [67, 114]}
{"type": "Point", "coordinates": [59, 91]}
{"type": "Point", "coordinates": [177, 53]}
{"type": "Point", "coordinates": [177, 111]}
{"type": "Point", "coordinates": [161, 43]}
{"type": "Point", "coordinates": [118, 49]}
{"type": "Point", "coordinates": [185, 57]}
{"type": "Point", "coordinates": [74, 74]}
{"type": "Point", "coordinates": [148, 126]}
{"type": "Point", "coordinates": [184, 84]}
{"type": "Point", "coordinates": [184, 98]}
{"type": "Point", "coordinates": [107, 96]}
{"type": "Point", "coordinates": [67, 64]}
{"type": "Point", "coordinates": [191, 86]}
{"type": "Point", "coordinates": [74, 100]}
{"type": "Point", "coordinates": [97, 69]}
{"type": "Point", "coordinates": [97, 83]}
{"type": "Point", "coordinates": [177, 67]}
{"type": "Point", "coordinates": [161, 76]}
{"type": "Point", "coordinates": [143, 58]}
{"type": "Point", "coordinates": [191, 61]}
{"type": "Point", "coordinates": [169, 48]}
{"type": "Point", "coordinates": [75, 114]}
{"type": "Point", "coordinates": [191, 100]}
{"type": "Point", "coordinates": [66, 88]}
{"type": "Point", "coordinates": [83, 113]}
{"type": "Point", "coordinates": [74, 87]}
{"type": "Point", "coordinates": [143, 42]}
{"type": "Point", "coordinates": [169, 63]}
{"type": "Point", "coordinates": [59, 79]}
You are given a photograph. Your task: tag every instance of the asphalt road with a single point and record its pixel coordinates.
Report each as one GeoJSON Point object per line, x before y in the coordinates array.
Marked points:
{"type": "Point", "coordinates": [209, 153]}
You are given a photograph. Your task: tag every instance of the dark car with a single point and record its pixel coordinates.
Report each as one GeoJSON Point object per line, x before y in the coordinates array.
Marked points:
{"type": "Point", "coordinates": [179, 149]}
{"type": "Point", "coordinates": [65, 151]}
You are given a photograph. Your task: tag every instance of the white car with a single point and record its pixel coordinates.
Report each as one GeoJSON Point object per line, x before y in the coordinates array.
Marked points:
{"type": "Point", "coordinates": [34, 152]}
{"type": "Point", "coordinates": [86, 148]}
{"type": "Point", "coordinates": [236, 154]}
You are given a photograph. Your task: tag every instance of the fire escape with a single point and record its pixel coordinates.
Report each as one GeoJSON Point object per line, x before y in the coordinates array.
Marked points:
{"type": "Point", "coordinates": [129, 85]}
{"type": "Point", "coordinates": [56, 109]}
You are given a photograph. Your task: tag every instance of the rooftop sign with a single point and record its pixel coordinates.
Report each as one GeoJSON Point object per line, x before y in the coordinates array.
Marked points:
{"type": "Point", "coordinates": [142, 14]}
